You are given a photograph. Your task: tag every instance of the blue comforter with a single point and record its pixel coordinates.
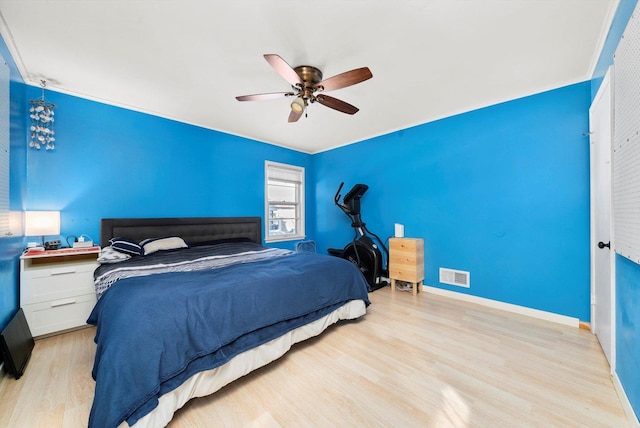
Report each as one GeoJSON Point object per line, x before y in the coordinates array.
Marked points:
{"type": "Point", "coordinates": [155, 332]}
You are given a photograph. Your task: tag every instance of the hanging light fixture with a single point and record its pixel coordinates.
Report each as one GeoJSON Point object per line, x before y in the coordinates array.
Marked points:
{"type": "Point", "coordinates": [298, 105]}
{"type": "Point", "coordinates": [41, 114]}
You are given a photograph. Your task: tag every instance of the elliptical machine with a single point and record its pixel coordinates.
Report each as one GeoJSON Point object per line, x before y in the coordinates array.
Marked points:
{"type": "Point", "coordinates": [362, 251]}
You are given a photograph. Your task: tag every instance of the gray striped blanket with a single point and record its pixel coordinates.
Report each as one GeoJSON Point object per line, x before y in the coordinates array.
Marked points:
{"type": "Point", "coordinates": [183, 260]}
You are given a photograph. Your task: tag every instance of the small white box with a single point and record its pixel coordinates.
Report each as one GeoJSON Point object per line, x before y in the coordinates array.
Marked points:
{"type": "Point", "coordinates": [83, 244]}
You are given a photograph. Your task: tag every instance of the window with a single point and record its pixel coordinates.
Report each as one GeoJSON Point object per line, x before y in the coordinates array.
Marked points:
{"type": "Point", "coordinates": [4, 148]}
{"type": "Point", "coordinates": [284, 206]}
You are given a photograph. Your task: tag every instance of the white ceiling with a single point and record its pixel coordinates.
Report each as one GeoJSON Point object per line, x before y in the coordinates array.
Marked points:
{"type": "Point", "coordinates": [188, 59]}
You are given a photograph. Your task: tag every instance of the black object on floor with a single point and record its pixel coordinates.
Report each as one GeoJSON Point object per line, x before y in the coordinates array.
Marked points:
{"type": "Point", "coordinates": [16, 344]}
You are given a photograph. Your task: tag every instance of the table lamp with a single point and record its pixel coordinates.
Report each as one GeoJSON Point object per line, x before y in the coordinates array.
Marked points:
{"type": "Point", "coordinates": [41, 223]}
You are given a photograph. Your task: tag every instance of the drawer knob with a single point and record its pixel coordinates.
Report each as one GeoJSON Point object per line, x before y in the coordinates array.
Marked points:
{"type": "Point", "coordinates": [63, 302]}
{"type": "Point", "coordinates": [62, 271]}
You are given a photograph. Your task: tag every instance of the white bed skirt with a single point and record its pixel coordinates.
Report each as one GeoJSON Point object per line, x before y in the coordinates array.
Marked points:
{"type": "Point", "coordinates": [210, 381]}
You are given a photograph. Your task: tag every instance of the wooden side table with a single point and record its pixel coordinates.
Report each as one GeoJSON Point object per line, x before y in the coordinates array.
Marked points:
{"type": "Point", "coordinates": [406, 262]}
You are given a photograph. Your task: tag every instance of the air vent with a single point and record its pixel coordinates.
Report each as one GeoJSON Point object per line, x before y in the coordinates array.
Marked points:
{"type": "Point", "coordinates": [455, 277]}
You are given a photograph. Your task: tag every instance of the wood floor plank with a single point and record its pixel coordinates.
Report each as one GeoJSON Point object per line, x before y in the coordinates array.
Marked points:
{"type": "Point", "coordinates": [421, 360]}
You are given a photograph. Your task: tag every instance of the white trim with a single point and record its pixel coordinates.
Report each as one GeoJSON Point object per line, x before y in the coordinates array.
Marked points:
{"type": "Point", "coordinates": [13, 50]}
{"type": "Point", "coordinates": [605, 89]}
{"type": "Point", "coordinates": [604, 33]}
{"type": "Point", "coordinates": [624, 400]}
{"type": "Point", "coordinates": [522, 310]}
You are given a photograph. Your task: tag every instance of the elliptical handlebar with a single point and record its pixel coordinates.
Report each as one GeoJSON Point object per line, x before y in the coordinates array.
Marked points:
{"type": "Point", "coordinates": [336, 199]}
{"type": "Point", "coordinates": [347, 210]}
{"type": "Point", "coordinates": [351, 201]}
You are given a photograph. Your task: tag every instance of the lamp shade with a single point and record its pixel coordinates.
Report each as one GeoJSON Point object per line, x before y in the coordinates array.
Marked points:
{"type": "Point", "coordinates": [297, 106]}
{"type": "Point", "coordinates": [41, 223]}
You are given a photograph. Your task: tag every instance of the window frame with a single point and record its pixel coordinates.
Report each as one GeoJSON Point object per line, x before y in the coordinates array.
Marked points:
{"type": "Point", "coordinates": [275, 167]}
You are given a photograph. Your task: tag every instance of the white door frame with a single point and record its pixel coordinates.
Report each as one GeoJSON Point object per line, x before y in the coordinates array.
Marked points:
{"type": "Point", "coordinates": [605, 89]}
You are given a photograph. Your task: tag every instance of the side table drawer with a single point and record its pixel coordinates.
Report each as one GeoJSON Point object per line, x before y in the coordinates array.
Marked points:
{"type": "Point", "coordinates": [407, 273]}
{"type": "Point", "coordinates": [406, 245]}
{"type": "Point", "coordinates": [57, 282]}
{"type": "Point", "coordinates": [406, 258]}
{"type": "Point", "coordinates": [60, 314]}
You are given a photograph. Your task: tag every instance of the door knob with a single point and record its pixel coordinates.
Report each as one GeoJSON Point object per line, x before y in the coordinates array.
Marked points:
{"type": "Point", "coordinates": [602, 244]}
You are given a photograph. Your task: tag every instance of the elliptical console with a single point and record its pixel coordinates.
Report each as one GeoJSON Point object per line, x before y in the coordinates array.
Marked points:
{"type": "Point", "coordinates": [362, 251]}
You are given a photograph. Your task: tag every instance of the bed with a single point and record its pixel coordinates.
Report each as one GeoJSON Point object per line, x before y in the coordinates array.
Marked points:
{"type": "Point", "coordinates": [204, 304]}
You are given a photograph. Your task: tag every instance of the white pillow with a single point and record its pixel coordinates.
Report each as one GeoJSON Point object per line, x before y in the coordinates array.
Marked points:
{"type": "Point", "coordinates": [150, 246]}
{"type": "Point", "coordinates": [111, 255]}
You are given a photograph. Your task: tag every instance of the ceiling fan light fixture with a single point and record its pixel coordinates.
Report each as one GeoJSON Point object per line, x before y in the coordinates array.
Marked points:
{"type": "Point", "coordinates": [306, 81]}
{"type": "Point", "coordinates": [298, 104]}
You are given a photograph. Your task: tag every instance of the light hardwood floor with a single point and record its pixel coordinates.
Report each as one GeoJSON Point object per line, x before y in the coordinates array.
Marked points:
{"type": "Point", "coordinates": [423, 360]}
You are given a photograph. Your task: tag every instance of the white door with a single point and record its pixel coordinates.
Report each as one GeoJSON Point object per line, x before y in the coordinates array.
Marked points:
{"type": "Point", "coordinates": [602, 282]}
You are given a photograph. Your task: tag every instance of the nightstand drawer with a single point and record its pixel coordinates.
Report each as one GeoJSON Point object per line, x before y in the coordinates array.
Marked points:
{"type": "Point", "coordinates": [406, 245]}
{"type": "Point", "coordinates": [407, 273]}
{"type": "Point", "coordinates": [59, 314]}
{"type": "Point", "coordinates": [45, 268]}
{"type": "Point", "coordinates": [406, 258]}
{"type": "Point", "coordinates": [57, 282]}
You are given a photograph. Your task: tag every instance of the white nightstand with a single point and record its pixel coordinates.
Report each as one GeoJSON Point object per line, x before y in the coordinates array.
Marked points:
{"type": "Point", "coordinates": [56, 288]}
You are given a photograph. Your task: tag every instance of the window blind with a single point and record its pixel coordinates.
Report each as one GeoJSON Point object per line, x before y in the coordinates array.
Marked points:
{"type": "Point", "coordinates": [4, 148]}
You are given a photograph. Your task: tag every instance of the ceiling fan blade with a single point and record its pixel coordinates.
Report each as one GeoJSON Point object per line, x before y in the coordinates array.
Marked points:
{"type": "Point", "coordinates": [260, 97]}
{"type": "Point", "coordinates": [283, 69]}
{"type": "Point", "coordinates": [345, 79]}
{"type": "Point", "coordinates": [293, 116]}
{"type": "Point", "coordinates": [336, 104]}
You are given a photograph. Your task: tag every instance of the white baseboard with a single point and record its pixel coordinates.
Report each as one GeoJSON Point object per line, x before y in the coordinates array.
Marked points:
{"type": "Point", "coordinates": [626, 404]}
{"type": "Point", "coordinates": [522, 310]}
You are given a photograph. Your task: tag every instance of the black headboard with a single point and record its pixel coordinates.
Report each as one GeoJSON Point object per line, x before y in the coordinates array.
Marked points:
{"type": "Point", "coordinates": [191, 229]}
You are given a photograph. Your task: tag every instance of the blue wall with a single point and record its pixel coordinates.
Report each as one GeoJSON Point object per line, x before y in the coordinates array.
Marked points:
{"type": "Point", "coordinates": [628, 328]}
{"type": "Point", "coordinates": [113, 162]}
{"type": "Point", "coordinates": [502, 192]}
{"type": "Point", "coordinates": [11, 247]}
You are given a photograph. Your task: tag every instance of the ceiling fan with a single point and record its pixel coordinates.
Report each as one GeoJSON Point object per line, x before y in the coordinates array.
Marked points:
{"type": "Point", "coordinates": [308, 87]}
